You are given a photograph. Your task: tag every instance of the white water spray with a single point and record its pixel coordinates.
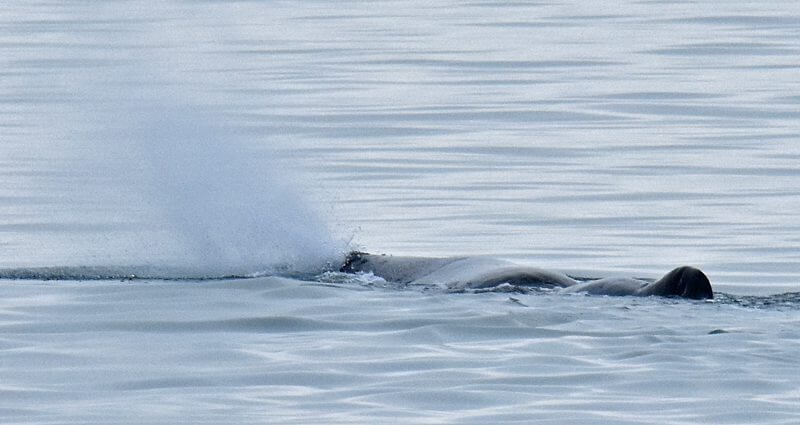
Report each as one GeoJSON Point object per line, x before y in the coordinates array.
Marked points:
{"type": "Point", "coordinates": [233, 209]}
{"type": "Point", "coordinates": [189, 192]}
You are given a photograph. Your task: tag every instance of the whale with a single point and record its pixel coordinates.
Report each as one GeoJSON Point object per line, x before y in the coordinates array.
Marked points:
{"type": "Point", "coordinates": [462, 273]}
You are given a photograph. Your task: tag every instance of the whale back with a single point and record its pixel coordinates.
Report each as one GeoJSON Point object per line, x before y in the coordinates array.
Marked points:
{"type": "Point", "coordinates": [455, 273]}
{"type": "Point", "coordinates": [394, 269]}
{"type": "Point", "coordinates": [484, 273]}
{"type": "Point", "coordinates": [615, 286]}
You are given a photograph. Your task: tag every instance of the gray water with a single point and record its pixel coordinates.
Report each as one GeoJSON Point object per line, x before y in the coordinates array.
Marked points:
{"type": "Point", "coordinates": [150, 146]}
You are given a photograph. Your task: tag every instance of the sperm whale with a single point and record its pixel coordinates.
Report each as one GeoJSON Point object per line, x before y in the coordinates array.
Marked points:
{"type": "Point", "coordinates": [480, 272]}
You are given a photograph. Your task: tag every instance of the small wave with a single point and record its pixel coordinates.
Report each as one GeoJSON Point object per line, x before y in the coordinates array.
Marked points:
{"type": "Point", "coordinates": [124, 273]}
{"type": "Point", "coordinates": [158, 272]}
{"type": "Point", "coordinates": [358, 280]}
{"type": "Point", "coordinates": [788, 300]}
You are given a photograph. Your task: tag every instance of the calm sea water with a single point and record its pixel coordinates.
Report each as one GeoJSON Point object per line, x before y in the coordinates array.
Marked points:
{"type": "Point", "coordinates": [192, 139]}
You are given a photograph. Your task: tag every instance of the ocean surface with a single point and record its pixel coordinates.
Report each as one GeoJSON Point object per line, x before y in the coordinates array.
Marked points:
{"type": "Point", "coordinates": [180, 181]}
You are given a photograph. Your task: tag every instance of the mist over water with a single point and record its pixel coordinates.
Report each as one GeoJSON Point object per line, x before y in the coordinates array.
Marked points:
{"type": "Point", "coordinates": [151, 176]}
{"type": "Point", "coordinates": [230, 209]}
{"type": "Point", "coordinates": [218, 198]}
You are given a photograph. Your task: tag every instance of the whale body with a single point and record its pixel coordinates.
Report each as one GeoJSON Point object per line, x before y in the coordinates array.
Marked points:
{"type": "Point", "coordinates": [457, 273]}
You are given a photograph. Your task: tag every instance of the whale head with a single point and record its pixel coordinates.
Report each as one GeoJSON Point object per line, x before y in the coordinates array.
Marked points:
{"type": "Point", "coordinates": [687, 282]}
{"type": "Point", "coordinates": [353, 262]}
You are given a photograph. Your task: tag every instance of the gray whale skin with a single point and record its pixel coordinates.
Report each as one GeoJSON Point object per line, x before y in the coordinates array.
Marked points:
{"type": "Point", "coordinates": [479, 272]}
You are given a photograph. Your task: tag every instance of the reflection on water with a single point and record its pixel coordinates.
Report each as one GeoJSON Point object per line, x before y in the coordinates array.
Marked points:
{"type": "Point", "coordinates": [629, 136]}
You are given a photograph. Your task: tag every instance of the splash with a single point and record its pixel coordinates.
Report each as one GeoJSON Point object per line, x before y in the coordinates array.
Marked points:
{"type": "Point", "coordinates": [207, 199]}
{"type": "Point", "coordinates": [126, 154]}
{"type": "Point", "coordinates": [232, 209]}
{"type": "Point", "coordinates": [158, 161]}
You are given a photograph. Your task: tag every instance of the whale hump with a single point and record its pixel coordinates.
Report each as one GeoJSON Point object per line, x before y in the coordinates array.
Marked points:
{"type": "Point", "coordinates": [684, 281]}
{"type": "Point", "coordinates": [453, 273]}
